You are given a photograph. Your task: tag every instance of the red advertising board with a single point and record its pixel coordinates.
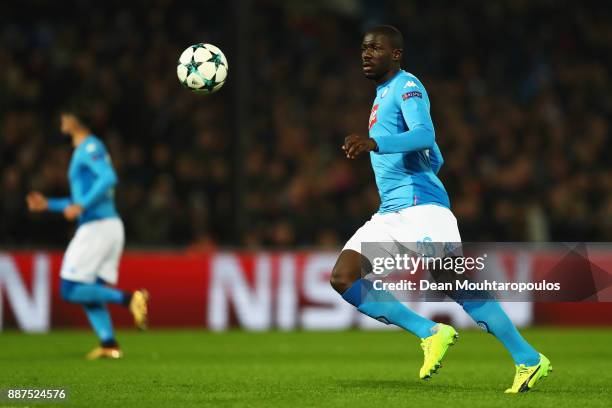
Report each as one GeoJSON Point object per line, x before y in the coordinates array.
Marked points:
{"type": "Point", "coordinates": [254, 291]}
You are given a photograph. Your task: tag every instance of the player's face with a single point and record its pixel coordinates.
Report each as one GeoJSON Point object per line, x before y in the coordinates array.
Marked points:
{"type": "Point", "coordinates": [376, 56]}
{"type": "Point", "coordinates": [67, 123]}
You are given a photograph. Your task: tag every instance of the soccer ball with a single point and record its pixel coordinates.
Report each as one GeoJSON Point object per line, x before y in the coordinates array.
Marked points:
{"type": "Point", "coordinates": [202, 68]}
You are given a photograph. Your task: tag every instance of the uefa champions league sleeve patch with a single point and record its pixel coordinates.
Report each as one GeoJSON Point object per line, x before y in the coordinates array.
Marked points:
{"type": "Point", "coordinates": [412, 94]}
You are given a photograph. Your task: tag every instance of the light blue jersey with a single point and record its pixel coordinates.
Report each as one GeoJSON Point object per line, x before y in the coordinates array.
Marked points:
{"type": "Point", "coordinates": [92, 182]}
{"type": "Point", "coordinates": [408, 158]}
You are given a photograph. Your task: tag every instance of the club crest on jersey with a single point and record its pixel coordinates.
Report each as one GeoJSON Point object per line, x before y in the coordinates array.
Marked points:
{"type": "Point", "coordinates": [373, 117]}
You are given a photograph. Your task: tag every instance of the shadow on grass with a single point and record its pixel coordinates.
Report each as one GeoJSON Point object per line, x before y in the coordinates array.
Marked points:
{"type": "Point", "coordinates": [410, 385]}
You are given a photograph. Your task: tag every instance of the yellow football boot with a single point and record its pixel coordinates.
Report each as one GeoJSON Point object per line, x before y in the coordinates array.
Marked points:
{"type": "Point", "coordinates": [526, 377]}
{"type": "Point", "coordinates": [435, 347]}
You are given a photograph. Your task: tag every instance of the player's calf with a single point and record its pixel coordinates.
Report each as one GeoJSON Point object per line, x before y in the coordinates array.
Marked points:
{"type": "Point", "coordinates": [488, 314]}
{"type": "Point", "coordinates": [378, 304]}
{"type": "Point", "coordinates": [90, 293]}
{"type": "Point", "coordinates": [384, 307]}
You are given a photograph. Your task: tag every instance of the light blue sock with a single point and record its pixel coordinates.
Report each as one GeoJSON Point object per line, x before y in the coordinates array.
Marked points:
{"type": "Point", "coordinates": [84, 293]}
{"type": "Point", "coordinates": [383, 306]}
{"type": "Point", "coordinates": [100, 320]}
{"type": "Point", "coordinates": [490, 316]}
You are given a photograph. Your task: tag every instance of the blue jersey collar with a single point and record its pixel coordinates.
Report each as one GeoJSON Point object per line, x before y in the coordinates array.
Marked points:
{"type": "Point", "coordinates": [388, 81]}
{"type": "Point", "coordinates": [84, 142]}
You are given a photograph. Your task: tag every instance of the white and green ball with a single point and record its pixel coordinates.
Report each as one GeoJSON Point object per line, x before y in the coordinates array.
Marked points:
{"type": "Point", "coordinates": [202, 68]}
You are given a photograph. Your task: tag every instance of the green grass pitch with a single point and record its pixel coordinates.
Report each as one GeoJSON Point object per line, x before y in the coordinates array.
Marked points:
{"type": "Point", "coordinates": [318, 369]}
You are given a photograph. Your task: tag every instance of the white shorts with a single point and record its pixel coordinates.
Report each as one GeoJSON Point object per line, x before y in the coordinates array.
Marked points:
{"type": "Point", "coordinates": [412, 225]}
{"type": "Point", "coordinates": [94, 252]}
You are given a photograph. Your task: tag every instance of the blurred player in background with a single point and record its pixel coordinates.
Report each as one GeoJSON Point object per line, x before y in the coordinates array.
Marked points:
{"type": "Point", "coordinates": [414, 208]}
{"type": "Point", "coordinates": [90, 264]}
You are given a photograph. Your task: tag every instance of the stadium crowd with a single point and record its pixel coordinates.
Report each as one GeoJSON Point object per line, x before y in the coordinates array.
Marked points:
{"type": "Point", "coordinates": [520, 101]}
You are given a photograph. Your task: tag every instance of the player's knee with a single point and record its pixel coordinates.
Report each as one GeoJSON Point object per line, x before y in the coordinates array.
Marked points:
{"type": "Point", "coordinates": [337, 284]}
{"type": "Point", "coordinates": [342, 277]}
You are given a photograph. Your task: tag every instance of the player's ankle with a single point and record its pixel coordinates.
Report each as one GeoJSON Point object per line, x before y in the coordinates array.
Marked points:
{"type": "Point", "coordinates": [127, 298]}
{"type": "Point", "coordinates": [110, 343]}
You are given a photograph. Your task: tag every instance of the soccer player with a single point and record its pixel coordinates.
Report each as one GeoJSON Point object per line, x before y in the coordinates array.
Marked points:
{"type": "Point", "coordinates": [90, 264]}
{"type": "Point", "coordinates": [414, 208]}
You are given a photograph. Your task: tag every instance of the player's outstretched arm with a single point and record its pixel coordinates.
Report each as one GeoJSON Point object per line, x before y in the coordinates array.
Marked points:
{"type": "Point", "coordinates": [59, 204]}
{"type": "Point", "coordinates": [37, 202]}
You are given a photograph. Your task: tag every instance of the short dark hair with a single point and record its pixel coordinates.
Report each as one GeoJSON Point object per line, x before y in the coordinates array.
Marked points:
{"type": "Point", "coordinates": [396, 39]}
{"type": "Point", "coordinates": [81, 108]}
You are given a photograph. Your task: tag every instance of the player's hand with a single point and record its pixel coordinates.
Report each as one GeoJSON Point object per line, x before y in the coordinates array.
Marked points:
{"type": "Point", "coordinates": [73, 211]}
{"type": "Point", "coordinates": [354, 145]}
{"type": "Point", "coordinates": [36, 202]}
